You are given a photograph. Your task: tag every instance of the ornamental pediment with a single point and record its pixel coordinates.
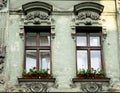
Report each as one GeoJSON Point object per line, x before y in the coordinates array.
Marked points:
{"type": "Point", "coordinates": [88, 13]}
{"type": "Point", "coordinates": [37, 12]}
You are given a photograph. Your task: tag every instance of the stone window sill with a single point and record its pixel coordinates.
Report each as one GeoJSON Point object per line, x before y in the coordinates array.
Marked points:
{"type": "Point", "coordinates": [35, 80]}
{"type": "Point", "coordinates": [91, 80]}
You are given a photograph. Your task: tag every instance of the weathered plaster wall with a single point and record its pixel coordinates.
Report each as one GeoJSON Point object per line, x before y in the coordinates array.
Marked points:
{"type": "Point", "coordinates": [63, 61]}
{"type": "Point", "coordinates": [14, 49]}
{"type": "Point", "coordinates": [63, 46]}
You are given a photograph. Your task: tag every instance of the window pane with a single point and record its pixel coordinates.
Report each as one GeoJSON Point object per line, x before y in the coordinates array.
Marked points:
{"type": "Point", "coordinates": [45, 60]}
{"type": "Point", "coordinates": [95, 59]}
{"type": "Point", "coordinates": [81, 39]}
{"type": "Point", "coordinates": [31, 39]}
{"type": "Point", "coordinates": [82, 59]}
{"type": "Point", "coordinates": [30, 59]}
{"type": "Point", "coordinates": [44, 39]}
{"type": "Point", "coordinates": [94, 39]}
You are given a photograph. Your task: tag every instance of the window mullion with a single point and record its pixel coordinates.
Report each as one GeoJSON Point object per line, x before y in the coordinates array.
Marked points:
{"type": "Point", "coordinates": [89, 59]}
{"type": "Point", "coordinates": [38, 53]}
{"type": "Point", "coordinates": [88, 50]}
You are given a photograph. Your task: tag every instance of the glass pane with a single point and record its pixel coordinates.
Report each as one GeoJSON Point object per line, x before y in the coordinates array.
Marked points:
{"type": "Point", "coordinates": [44, 39]}
{"type": "Point", "coordinates": [94, 39]}
{"type": "Point", "coordinates": [95, 59]}
{"type": "Point", "coordinates": [31, 39]}
{"type": "Point", "coordinates": [81, 39]}
{"type": "Point", "coordinates": [45, 60]}
{"type": "Point", "coordinates": [30, 59]}
{"type": "Point", "coordinates": [82, 59]}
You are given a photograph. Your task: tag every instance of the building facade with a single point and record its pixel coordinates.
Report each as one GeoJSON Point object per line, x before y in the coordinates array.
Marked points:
{"type": "Point", "coordinates": [63, 37]}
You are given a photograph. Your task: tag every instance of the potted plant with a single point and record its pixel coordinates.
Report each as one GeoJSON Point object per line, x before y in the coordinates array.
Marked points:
{"type": "Point", "coordinates": [100, 74]}
{"type": "Point", "coordinates": [43, 73]}
{"type": "Point", "coordinates": [34, 73]}
{"type": "Point", "coordinates": [81, 74]}
{"type": "Point", "coordinates": [90, 74]}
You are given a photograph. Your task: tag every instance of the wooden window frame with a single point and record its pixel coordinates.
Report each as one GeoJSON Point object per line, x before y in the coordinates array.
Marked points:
{"type": "Point", "coordinates": [37, 47]}
{"type": "Point", "coordinates": [88, 48]}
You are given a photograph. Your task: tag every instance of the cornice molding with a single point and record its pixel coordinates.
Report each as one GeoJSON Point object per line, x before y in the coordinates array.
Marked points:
{"type": "Point", "coordinates": [91, 6]}
{"type": "Point", "coordinates": [31, 6]}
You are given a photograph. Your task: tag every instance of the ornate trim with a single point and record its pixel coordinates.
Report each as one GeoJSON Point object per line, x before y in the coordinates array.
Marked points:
{"type": "Point", "coordinates": [42, 6]}
{"type": "Point", "coordinates": [3, 3]}
{"type": "Point", "coordinates": [91, 85]}
{"type": "Point", "coordinates": [36, 85]}
{"type": "Point", "coordinates": [37, 12]}
{"type": "Point", "coordinates": [98, 8]}
{"type": "Point", "coordinates": [88, 13]}
{"type": "Point", "coordinates": [37, 17]}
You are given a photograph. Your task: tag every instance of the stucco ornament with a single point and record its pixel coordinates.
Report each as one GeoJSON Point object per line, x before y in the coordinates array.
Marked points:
{"type": "Point", "coordinates": [88, 13]}
{"type": "Point", "coordinates": [3, 3]}
{"type": "Point", "coordinates": [36, 17]}
{"type": "Point", "coordinates": [2, 55]}
{"type": "Point", "coordinates": [91, 87]}
{"type": "Point", "coordinates": [35, 87]}
{"type": "Point", "coordinates": [37, 12]}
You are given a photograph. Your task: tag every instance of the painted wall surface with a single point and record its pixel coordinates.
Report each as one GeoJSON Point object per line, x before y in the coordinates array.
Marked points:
{"type": "Point", "coordinates": [63, 45]}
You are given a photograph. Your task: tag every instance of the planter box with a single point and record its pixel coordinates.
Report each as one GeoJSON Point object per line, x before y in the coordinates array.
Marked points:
{"type": "Point", "coordinates": [36, 80]}
{"type": "Point", "coordinates": [91, 80]}
{"type": "Point", "coordinates": [91, 76]}
{"type": "Point", "coordinates": [36, 76]}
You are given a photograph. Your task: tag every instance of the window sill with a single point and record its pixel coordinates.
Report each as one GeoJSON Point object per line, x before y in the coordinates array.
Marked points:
{"type": "Point", "coordinates": [36, 80]}
{"type": "Point", "coordinates": [91, 85]}
{"type": "Point", "coordinates": [91, 80]}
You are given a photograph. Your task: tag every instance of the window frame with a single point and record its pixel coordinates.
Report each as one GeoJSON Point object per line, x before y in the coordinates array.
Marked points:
{"type": "Point", "coordinates": [88, 48]}
{"type": "Point", "coordinates": [37, 47]}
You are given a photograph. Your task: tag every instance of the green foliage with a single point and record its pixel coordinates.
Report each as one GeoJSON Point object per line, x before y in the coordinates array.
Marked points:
{"type": "Point", "coordinates": [24, 72]}
{"type": "Point", "coordinates": [101, 72]}
{"type": "Point", "coordinates": [42, 72]}
{"type": "Point", "coordinates": [34, 71]}
{"type": "Point", "coordinates": [90, 71]}
{"type": "Point", "coordinates": [82, 72]}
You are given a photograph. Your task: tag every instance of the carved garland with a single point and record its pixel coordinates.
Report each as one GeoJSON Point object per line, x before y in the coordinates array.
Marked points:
{"type": "Point", "coordinates": [37, 17]}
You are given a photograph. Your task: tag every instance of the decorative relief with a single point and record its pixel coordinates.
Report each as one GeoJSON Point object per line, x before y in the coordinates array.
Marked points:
{"type": "Point", "coordinates": [91, 87]}
{"type": "Point", "coordinates": [3, 3]}
{"type": "Point", "coordinates": [87, 18]}
{"type": "Point", "coordinates": [87, 14]}
{"type": "Point", "coordinates": [2, 55]}
{"type": "Point", "coordinates": [35, 87]}
{"type": "Point", "coordinates": [37, 17]}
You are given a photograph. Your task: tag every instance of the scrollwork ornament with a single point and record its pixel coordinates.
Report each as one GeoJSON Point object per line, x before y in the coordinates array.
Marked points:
{"type": "Point", "coordinates": [87, 14]}
{"type": "Point", "coordinates": [91, 87]}
{"type": "Point", "coordinates": [37, 87]}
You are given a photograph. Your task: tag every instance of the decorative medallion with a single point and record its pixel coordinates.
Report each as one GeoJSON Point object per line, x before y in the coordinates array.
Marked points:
{"type": "Point", "coordinates": [91, 87]}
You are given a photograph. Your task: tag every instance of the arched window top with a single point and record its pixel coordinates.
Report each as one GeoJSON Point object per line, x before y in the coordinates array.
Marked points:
{"type": "Point", "coordinates": [41, 6]}
{"type": "Point", "coordinates": [92, 6]}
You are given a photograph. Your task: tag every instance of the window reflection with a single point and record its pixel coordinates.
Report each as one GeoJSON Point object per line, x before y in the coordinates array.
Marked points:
{"type": "Point", "coordinates": [81, 39]}
{"type": "Point", "coordinates": [44, 39]}
{"type": "Point", "coordinates": [45, 60]}
{"type": "Point", "coordinates": [82, 59]}
{"type": "Point", "coordinates": [94, 39]}
{"type": "Point", "coordinates": [31, 39]}
{"type": "Point", "coordinates": [95, 59]}
{"type": "Point", "coordinates": [30, 59]}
